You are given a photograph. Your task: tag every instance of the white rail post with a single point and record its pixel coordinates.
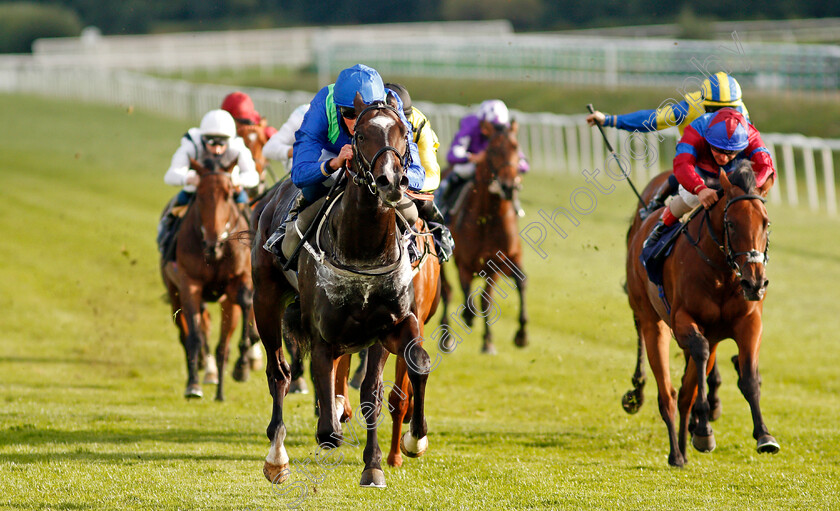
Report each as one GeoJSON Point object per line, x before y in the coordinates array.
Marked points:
{"type": "Point", "coordinates": [790, 174]}
{"type": "Point", "coordinates": [810, 177]}
{"type": "Point", "coordinates": [828, 176]}
{"type": "Point", "coordinates": [572, 150]}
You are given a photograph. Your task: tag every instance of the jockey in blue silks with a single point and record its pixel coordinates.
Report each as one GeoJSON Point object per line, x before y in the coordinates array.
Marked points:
{"type": "Point", "coordinates": [323, 142]}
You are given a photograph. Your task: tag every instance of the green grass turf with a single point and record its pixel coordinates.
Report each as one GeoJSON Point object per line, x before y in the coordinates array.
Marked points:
{"type": "Point", "coordinates": [91, 372]}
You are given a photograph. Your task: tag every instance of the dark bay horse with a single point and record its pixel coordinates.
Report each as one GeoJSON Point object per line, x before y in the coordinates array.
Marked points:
{"type": "Point", "coordinates": [485, 230]}
{"type": "Point", "coordinates": [211, 264]}
{"type": "Point", "coordinates": [715, 282]}
{"type": "Point", "coordinates": [356, 291]}
{"type": "Point", "coordinates": [633, 399]}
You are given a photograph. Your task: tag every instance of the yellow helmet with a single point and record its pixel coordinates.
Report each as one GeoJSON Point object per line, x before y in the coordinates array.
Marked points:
{"type": "Point", "coordinates": [720, 89]}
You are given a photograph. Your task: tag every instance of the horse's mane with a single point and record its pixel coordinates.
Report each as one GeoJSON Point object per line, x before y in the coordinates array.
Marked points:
{"type": "Point", "coordinates": [743, 177]}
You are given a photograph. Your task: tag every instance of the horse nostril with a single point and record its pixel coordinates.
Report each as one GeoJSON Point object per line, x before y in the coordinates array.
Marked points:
{"type": "Point", "coordinates": [766, 283]}
{"type": "Point", "coordinates": [382, 181]}
{"type": "Point", "coordinates": [404, 181]}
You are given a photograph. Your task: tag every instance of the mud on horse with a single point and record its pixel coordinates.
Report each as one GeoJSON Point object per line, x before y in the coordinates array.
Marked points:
{"type": "Point", "coordinates": [211, 263]}
{"type": "Point", "coordinates": [356, 291]}
{"type": "Point", "coordinates": [715, 282]}
{"type": "Point", "coordinates": [486, 232]}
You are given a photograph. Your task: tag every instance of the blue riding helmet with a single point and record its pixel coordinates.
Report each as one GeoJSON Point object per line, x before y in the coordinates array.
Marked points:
{"type": "Point", "coordinates": [359, 78]}
{"type": "Point", "coordinates": [727, 131]}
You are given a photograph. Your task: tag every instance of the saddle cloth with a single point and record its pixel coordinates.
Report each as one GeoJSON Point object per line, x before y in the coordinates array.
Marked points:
{"type": "Point", "coordinates": [653, 256]}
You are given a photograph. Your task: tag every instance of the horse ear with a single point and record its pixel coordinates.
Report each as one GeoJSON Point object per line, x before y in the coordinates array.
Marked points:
{"type": "Point", "coordinates": [194, 165]}
{"type": "Point", "coordinates": [391, 99]}
{"type": "Point", "coordinates": [358, 103]}
{"type": "Point", "coordinates": [514, 126]}
{"type": "Point", "coordinates": [724, 182]}
{"type": "Point", "coordinates": [764, 189]}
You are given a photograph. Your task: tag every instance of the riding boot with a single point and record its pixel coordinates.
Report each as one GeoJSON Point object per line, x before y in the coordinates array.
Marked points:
{"type": "Point", "coordinates": [451, 187]}
{"type": "Point", "coordinates": [655, 234]}
{"type": "Point", "coordinates": [666, 190]}
{"type": "Point", "coordinates": [429, 212]}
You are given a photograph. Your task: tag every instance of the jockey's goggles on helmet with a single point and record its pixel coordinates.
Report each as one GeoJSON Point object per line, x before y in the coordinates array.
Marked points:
{"type": "Point", "coordinates": [246, 122]}
{"type": "Point", "coordinates": [348, 112]}
{"type": "Point", "coordinates": [214, 140]}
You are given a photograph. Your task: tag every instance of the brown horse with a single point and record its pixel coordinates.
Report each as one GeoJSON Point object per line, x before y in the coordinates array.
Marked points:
{"type": "Point", "coordinates": [356, 290]}
{"type": "Point", "coordinates": [715, 283]}
{"type": "Point", "coordinates": [633, 399]}
{"type": "Point", "coordinates": [255, 138]}
{"type": "Point", "coordinates": [486, 232]}
{"type": "Point", "coordinates": [211, 264]}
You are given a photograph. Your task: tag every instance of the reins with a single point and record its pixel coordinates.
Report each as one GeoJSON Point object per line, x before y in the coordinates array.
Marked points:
{"type": "Point", "coordinates": [753, 256]}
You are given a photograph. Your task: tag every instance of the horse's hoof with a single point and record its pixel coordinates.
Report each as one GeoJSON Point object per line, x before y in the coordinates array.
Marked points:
{"type": "Point", "coordinates": [704, 443]}
{"type": "Point", "coordinates": [632, 401]}
{"type": "Point", "coordinates": [395, 460]}
{"type": "Point", "coordinates": [193, 392]}
{"type": "Point", "coordinates": [211, 378]}
{"type": "Point", "coordinates": [521, 339]}
{"type": "Point", "coordinates": [373, 478]}
{"type": "Point", "coordinates": [676, 461]}
{"type": "Point", "coordinates": [298, 386]}
{"type": "Point", "coordinates": [241, 370]}
{"type": "Point", "coordinates": [276, 473]}
{"type": "Point", "coordinates": [447, 344]}
{"type": "Point", "coordinates": [412, 447]}
{"type": "Point", "coordinates": [767, 444]}
{"type": "Point", "coordinates": [488, 349]}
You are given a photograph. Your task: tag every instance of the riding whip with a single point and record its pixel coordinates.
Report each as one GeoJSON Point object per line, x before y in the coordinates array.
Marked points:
{"type": "Point", "coordinates": [614, 155]}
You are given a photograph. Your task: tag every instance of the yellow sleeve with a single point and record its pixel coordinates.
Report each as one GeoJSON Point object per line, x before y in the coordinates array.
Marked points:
{"type": "Point", "coordinates": [427, 146]}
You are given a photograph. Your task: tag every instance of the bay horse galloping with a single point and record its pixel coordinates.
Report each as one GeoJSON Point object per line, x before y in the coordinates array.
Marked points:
{"type": "Point", "coordinates": [714, 282]}
{"type": "Point", "coordinates": [211, 264]}
{"type": "Point", "coordinates": [633, 399]}
{"type": "Point", "coordinates": [356, 291]}
{"type": "Point", "coordinates": [486, 232]}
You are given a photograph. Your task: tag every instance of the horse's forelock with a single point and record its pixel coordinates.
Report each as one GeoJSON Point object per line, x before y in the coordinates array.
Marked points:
{"type": "Point", "coordinates": [743, 177]}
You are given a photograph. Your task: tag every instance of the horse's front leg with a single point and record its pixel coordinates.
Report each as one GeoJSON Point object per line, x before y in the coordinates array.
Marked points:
{"type": "Point", "coordinates": [633, 399]}
{"type": "Point", "coordinates": [230, 317]}
{"type": "Point", "coordinates": [488, 307]}
{"type": "Point", "coordinates": [714, 381]}
{"type": "Point", "coordinates": [399, 401]}
{"type": "Point", "coordinates": [245, 301]}
{"type": "Point", "coordinates": [371, 396]}
{"type": "Point", "coordinates": [268, 316]}
{"type": "Point", "coordinates": [748, 339]}
{"type": "Point", "coordinates": [414, 443]}
{"type": "Point", "coordinates": [342, 372]}
{"type": "Point", "coordinates": [191, 303]}
{"type": "Point", "coordinates": [698, 350]}
{"type": "Point", "coordinates": [521, 338]}
{"type": "Point", "coordinates": [323, 372]}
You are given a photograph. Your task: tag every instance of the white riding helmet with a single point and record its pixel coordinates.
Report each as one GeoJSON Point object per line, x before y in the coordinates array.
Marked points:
{"type": "Point", "coordinates": [494, 111]}
{"type": "Point", "coordinates": [218, 123]}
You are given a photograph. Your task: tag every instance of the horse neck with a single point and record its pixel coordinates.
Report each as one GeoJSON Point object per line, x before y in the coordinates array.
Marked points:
{"type": "Point", "coordinates": [363, 230]}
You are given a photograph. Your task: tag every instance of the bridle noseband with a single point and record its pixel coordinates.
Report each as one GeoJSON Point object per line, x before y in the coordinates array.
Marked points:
{"type": "Point", "coordinates": [752, 256]}
{"type": "Point", "coordinates": [365, 177]}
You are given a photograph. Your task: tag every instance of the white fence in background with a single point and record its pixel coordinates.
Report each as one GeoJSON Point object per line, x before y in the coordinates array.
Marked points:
{"type": "Point", "coordinates": [553, 143]}
{"type": "Point", "coordinates": [483, 49]}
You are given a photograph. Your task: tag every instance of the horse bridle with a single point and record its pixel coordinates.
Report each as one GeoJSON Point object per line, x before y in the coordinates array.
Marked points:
{"type": "Point", "coordinates": [752, 256]}
{"type": "Point", "coordinates": [224, 235]}
{"type": "Point", "coordinates": [365, 177]}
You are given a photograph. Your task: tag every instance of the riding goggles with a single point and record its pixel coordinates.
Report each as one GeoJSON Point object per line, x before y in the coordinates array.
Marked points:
{"type": "Point", "coordinates": [215, 141]}
{"type": "Point", "coordinates": [348, 112]}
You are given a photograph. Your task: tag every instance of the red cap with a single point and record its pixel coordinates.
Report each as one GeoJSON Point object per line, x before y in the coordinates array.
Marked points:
{"type": "Point", "coordinates": [240, 106]}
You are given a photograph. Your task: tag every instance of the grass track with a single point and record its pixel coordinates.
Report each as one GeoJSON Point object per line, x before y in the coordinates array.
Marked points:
{"type": "Point", "coordinates": [91, 372]}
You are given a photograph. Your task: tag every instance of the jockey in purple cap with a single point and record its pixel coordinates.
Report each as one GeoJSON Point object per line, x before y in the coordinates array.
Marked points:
{"type": "Point", "coordinates": [711, 144]}
{"type": "Point", "coordinates": [468, 148]}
